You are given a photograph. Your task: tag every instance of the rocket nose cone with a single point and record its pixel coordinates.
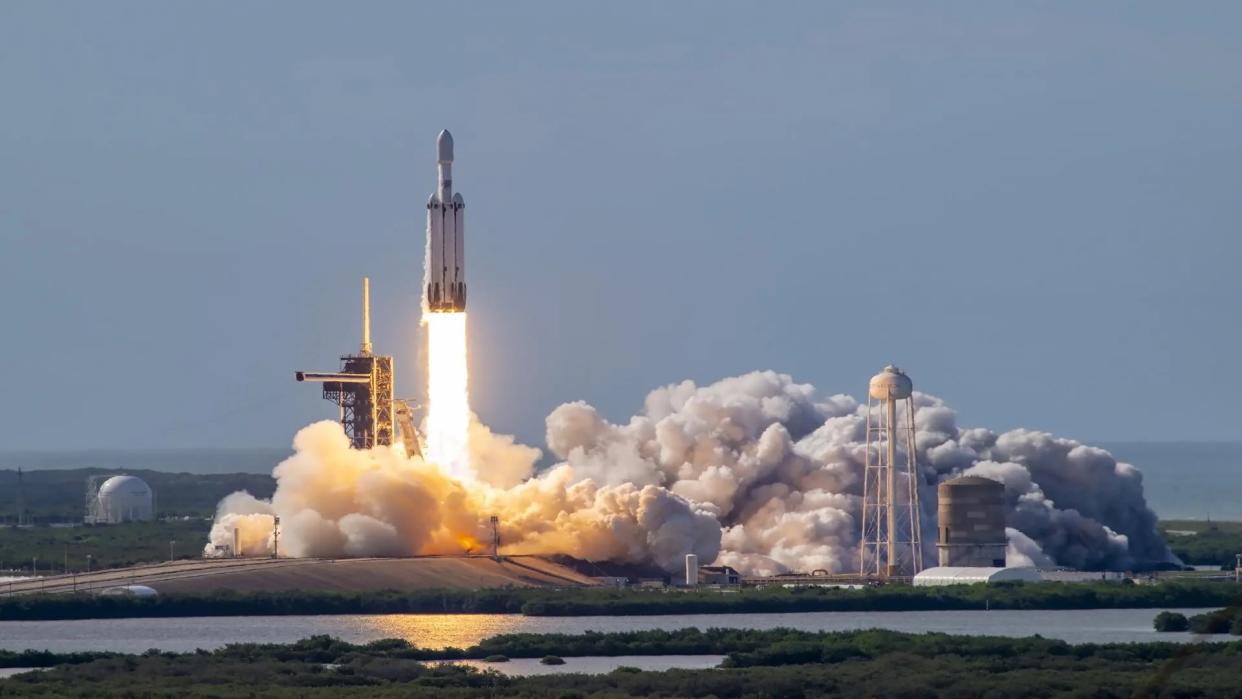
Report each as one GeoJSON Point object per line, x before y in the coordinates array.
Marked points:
{"type": "Point", "coordinates": [444, 147]}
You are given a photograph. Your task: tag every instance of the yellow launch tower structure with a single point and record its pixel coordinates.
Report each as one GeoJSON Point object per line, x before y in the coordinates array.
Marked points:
{"type": "Point", "coordinates": [363, 389]}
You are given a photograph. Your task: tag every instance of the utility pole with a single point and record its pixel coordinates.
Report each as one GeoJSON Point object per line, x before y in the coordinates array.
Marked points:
{"type": "Point", "coordinates": [495, 537]}
{"type": "Point", "coordinates": [171, 543]}
{"type": "Point", "coordinates": [21, 497]}
{"type": "Point", "coordinates": [275, 536]}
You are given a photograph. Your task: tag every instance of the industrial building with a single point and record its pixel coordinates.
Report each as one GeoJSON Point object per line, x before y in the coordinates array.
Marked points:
{"type": "Point", "coordinates": [119, 499]}
{"type": "Point", "coordinates": [719, 575]}
{"type": "Point", "coordinates": [971, 517]}
{"type": "Point", "coordinates": [971, 540]}
{"type": "Point", "coordinates": [949, 575]}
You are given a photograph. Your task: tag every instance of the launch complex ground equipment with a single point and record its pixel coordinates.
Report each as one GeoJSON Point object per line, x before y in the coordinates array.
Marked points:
{"type": "Point", "coordinates": [363, 390]}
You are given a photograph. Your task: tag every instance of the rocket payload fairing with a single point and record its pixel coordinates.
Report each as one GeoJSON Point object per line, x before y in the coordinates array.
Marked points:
{"type": "Point", "coordinates": [446, 234]}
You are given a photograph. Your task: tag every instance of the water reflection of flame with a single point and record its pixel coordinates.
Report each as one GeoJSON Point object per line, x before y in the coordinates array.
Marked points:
{"type": "Point", "coordinates": [443, 630]}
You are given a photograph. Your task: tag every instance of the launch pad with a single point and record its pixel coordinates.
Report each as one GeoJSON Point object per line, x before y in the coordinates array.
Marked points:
{"type": "Point", "coordinates": [363, 390]}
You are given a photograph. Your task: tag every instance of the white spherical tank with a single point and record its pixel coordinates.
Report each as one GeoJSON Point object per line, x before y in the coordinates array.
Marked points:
{"type": "Point", "coordinates": [891, 384]}
{"type": "Point", "coordinates": [125, 499]}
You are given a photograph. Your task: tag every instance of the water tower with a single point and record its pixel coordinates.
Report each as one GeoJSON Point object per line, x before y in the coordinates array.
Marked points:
{"type": "Point", "coordinates": [890, 545]}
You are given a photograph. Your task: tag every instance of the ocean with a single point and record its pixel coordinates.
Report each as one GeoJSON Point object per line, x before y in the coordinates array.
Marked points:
{"type": "Point", "coordinates": [1187, 480]}
{"type": "Point", "coordinates": [1182, 480]}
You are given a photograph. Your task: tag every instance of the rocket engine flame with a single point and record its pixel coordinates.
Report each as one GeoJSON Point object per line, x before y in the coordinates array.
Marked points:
{"type": "Point", "coordinates": [448, 395]}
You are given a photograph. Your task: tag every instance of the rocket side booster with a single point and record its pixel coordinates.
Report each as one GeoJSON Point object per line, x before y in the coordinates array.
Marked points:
{"type": "Point", "coordinates": [446, 233]}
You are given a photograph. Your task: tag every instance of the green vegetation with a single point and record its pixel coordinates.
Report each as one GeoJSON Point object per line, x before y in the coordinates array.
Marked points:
{"type": "Point", "coordinates": [1200, 526]}
{"type": "Point", "coordinates": [551, 660]}
{"type": "Point", "coordinates": [109, 546]}
{"type": "Point", "coordinates": [1213, 543]}
{"type": "Point", "coordinates": [1228, 620]}
{"type": "Point", "coordinates": [1094, 595]}
{"type": "Point", "coordinates": [587, 602]}
{"type": "Point", "coordinates": [58, 495]}
{"type": "Point", "coordinates": [1170, 621]}
{"type": "Point", "coordinates": [188, 501]}
{"type": "Point", "coordinates": [772, 663]}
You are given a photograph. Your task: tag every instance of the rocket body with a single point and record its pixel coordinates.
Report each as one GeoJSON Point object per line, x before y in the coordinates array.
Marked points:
{"type": "Point", "coordinates": [446, 233]}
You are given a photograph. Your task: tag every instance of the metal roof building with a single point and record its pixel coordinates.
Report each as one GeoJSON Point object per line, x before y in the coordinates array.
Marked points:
{"type": "Point", "coordinates": [946, 575]}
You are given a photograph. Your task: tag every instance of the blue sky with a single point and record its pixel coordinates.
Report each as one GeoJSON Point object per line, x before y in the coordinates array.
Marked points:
{"type": "Point", "coordinates": [1033, 207]}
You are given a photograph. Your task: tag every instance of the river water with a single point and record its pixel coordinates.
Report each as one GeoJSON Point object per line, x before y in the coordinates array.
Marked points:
{"type": "Point", "coordinates": [463, 630]}
{"type": "Point", "coordinates": [597, 665]}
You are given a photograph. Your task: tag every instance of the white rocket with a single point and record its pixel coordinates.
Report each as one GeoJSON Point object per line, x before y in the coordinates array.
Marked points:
{"type": "Point", "coordinates": [446, 233]}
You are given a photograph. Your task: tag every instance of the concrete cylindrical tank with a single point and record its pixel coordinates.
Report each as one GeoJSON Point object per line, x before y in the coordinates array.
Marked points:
{"type": "Point", "coordinates": [971, 517]}
{"type": "Point", "coordinates": [125, 499]}
{"type": "Point", "coordinates": [692, 570]}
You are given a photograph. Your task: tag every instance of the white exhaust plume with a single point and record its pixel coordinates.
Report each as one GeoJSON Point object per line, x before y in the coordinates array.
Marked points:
{"type": "Point", "coordinates": [337, 501]}
{"type": "Point", "coordinates": [754, 471]}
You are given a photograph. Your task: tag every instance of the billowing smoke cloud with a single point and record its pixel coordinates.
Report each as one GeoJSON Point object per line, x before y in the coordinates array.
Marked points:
{"type": "Point", "coordinates": [334, 501]}
{"type": "Point", "coordinates": [754, 471]}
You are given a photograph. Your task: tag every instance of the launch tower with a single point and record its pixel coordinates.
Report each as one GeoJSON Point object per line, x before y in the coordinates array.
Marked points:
{"type": "Point", "coordinates": [890, 544]}
{"type": "Point", "coordinates": [363, 389]}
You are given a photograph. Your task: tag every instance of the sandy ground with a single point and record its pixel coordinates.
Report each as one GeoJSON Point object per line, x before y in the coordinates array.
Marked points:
{"type": "Point", "coordinates": [348, 574]}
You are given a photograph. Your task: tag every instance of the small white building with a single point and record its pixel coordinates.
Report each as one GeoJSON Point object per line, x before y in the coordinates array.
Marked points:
{"type": "Point", "coordinates": [1084, 575]}
{"type": "Point", "coordinates": [969, 576]}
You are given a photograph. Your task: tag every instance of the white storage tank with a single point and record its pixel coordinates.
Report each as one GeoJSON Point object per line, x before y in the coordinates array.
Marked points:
{"type": "Point", "coordinates": [125, 499]}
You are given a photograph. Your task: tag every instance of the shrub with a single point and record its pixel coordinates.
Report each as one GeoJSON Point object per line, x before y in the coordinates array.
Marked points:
{"type": "Point", "coordinates": [551, 660]}
{"type": "Point", "coordinates": [1171, 621]}
{"type": "Point", "coordinates": [1211, 622]}
{"type": "Point", "coordinates": [498, 658]}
